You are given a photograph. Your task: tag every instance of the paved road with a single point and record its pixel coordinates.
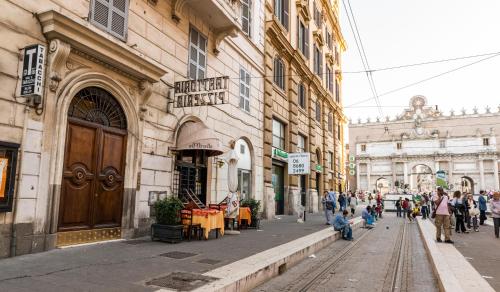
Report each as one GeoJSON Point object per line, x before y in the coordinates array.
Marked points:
{"type": "Point", "coordinates": [382, 259]}
{"type": "Point", "coordinates": [482, 250]}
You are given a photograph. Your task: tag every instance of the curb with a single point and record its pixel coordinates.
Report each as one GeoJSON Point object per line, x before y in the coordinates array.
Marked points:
{"type": "Point", "coordinates": [446, 259]}
{"type": "Point", "coordinates": [248, 273]}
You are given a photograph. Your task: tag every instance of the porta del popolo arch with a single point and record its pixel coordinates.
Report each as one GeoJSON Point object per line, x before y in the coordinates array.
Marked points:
{"type": "Point", "coordinates": [393, 154]}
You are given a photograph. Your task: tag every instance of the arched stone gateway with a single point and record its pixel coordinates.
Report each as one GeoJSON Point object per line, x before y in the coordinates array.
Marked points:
{"type": "Point", "coordinates": [90, 205]}
{"type": "Point", "coordinates": [422, 178]}
{"type": "Point", "coordinates": [466, 184]}
{"type": "Point", "coordinates": [383, 185]}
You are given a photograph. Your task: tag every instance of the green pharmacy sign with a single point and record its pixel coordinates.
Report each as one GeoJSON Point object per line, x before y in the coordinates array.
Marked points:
{"type": "Point", "coordinates": [278, 153]}
{"type": "Point", "coordinates": [319, 168]}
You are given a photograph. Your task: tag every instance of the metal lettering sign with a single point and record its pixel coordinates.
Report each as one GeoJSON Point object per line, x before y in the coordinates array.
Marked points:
{"type": "Point", "coordinates": [33, 69]}
{"type": "Point", "coordinates": [200, 92]}
{"type": "Point", "coordinates": [299, 163]}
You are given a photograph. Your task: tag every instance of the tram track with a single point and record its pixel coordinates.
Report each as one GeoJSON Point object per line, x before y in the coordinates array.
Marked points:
{"type": "Point", "coordinates": [328, 267]}
{"type": "Point", "coordinates": [397, 278]}
{"type": "Point", "coordinates": [386, 258]}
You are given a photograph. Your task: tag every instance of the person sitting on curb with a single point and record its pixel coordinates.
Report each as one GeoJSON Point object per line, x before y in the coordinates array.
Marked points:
{"type": "Point", "coordinates": [341, 223]}
{"type": "Point", "coordinates": [367, 218]}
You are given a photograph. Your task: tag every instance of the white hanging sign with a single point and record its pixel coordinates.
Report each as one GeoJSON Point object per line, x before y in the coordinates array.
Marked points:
{"type": "Point", "coordinates": [299, 163]}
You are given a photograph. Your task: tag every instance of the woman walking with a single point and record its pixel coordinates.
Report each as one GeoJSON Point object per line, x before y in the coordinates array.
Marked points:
{"type": "Point", "coordinates": [495, 212]}
{"type": "Point", "coordinates": [459, 210]}
{"type": "Point", "coordinates": [353, 202]}
{"type": "Point", "coordinates": [472, 213]}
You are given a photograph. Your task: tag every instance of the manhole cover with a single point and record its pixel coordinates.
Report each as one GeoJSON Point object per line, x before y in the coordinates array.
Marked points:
{"type": "Point", "coordinates": [181, 281]}
{"type": "Point", "coordinates": [177, 254]}
{"type": "Point", "coordinates": [135, 242]}
{"type": "Point", "coordinates": [209, 261]}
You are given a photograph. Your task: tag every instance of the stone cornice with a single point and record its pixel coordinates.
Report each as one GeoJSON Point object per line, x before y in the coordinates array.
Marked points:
{"type": "Point", "coordinates": [303, 9]}
{"type": "Point", "coordinates": [335, 23]}
{"type": "Point", "coordinates": [82, 36]}
{"type": "Point", "coordinates": [434, 157]}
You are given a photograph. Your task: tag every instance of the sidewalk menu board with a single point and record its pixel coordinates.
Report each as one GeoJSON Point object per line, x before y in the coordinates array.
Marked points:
{"type": "Point", "coordinates": [8, 160]}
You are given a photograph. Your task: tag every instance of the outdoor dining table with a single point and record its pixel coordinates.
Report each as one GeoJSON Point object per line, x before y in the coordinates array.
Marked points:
{"type": "Point", "coordinates": [245, 214]}
{"type": "Point", "coordinates": [209, 219]}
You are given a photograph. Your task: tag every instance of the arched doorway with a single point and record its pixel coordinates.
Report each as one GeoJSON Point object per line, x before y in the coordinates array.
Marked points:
{"type": "Point", "coordinates": [93, 167]}
{"type": "Point", "coordinates": [383, 185]}
{"type": "Point", "coordinates": [422, 178]}
{"type": "Point", "coordinates": [244, 166]}
{"type": "Point", "coordinates": [467, 184]}
{"type": "Point", "coordinates": [195, 144]}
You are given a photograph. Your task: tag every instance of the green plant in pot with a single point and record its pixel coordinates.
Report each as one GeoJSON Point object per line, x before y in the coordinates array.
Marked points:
{"type": "Point", "coordinates": [168, 226]}
{"type": "Point", "coordinates": [254, 206]}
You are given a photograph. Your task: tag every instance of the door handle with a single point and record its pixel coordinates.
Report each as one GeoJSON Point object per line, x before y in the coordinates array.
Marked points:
{"type": "Point", "coordinates": [96, 195]}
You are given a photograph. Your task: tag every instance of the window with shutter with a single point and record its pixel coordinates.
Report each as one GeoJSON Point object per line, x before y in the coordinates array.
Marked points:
{"type": "Point", "coordinates": [318, 111]}
{"type": "Point", "coordinates": [302, 38]}
{"type": "Point", "coordinates": [246, 16]}
{"type": "Point", "coordinates": [329, 79]}
{"type": "Point", "coordinates": [320, 64]}
{"type": "Point", "coordinates": [337, 91]}
{"type": "Point", "coordinates": [244, 90]}
{"type": "Point", "coordinates": [110, 16]}
{"type": "Point", "coordinates": [281, 11]}
{"type": "Point", "coordinates": [197, 55]}
{"type": "Point", "coordinates": [302, 96]}
{"type": "Point", "coordinates": [279, 73]}
{"type": "Point", "coordinates": [306, 42]}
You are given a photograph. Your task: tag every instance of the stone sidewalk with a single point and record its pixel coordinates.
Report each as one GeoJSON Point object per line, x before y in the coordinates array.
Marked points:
{"type": "Point", "coordinates": [128, 265]}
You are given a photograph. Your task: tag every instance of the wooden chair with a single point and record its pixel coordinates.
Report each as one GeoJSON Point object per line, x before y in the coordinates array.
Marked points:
{"type": "Point", "coordinates": [187, 221]}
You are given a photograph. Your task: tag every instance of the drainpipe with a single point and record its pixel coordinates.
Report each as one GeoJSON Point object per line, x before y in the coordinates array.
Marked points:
{"type": "Point", "coordinates": [13, 240]}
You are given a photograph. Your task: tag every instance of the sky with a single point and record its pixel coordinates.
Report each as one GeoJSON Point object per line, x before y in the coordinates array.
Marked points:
{"type": "Point", "coordinates": [398, 32]}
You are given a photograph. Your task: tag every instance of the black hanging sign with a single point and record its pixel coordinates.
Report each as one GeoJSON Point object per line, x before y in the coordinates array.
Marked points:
{"type": "Point", "coordinates": [33, 69]}
{"type": "Point", "coordinates": [200, 92]}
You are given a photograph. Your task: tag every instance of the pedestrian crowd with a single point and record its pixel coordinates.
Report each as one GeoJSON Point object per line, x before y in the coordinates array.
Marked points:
{"type": "Point", "coordinates": [459, 210]}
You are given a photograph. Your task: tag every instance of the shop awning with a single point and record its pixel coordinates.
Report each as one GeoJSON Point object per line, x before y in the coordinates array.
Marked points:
{"type": "Point", "coordinates": [196, 136]}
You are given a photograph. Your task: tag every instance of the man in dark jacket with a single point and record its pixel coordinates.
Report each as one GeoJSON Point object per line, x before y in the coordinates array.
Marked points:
{"type": "Point", "coordinates": [482, 207]}
{"type": "Point", "coordinates": [398, 207]}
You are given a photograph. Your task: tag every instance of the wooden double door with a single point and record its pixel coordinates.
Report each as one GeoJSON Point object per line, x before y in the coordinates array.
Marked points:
{"type": "Point", "coordinates": [92, 184]}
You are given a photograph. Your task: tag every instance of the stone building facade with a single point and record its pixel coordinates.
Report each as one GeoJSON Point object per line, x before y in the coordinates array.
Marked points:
{"type": "Point", "coordinates": [302, 102]}
{"type": "Point", "coordinates": [406, 152]}
{"type": "Point", "coordinates": [111, 132]}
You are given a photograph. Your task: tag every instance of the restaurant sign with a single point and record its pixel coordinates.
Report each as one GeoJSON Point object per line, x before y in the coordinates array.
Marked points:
{"type": "Point", "coordinates": [32, 79]}
{"type": "Point", "coordinates": [201, 92]}
{"type": "Point", "coordinates": [298, 163]}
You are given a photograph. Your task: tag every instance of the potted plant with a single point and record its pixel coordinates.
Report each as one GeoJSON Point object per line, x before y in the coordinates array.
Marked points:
{"type": "Point", "coordinates": [168, 226]}
{"type": "Point", "coordinates": [254, 206]}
